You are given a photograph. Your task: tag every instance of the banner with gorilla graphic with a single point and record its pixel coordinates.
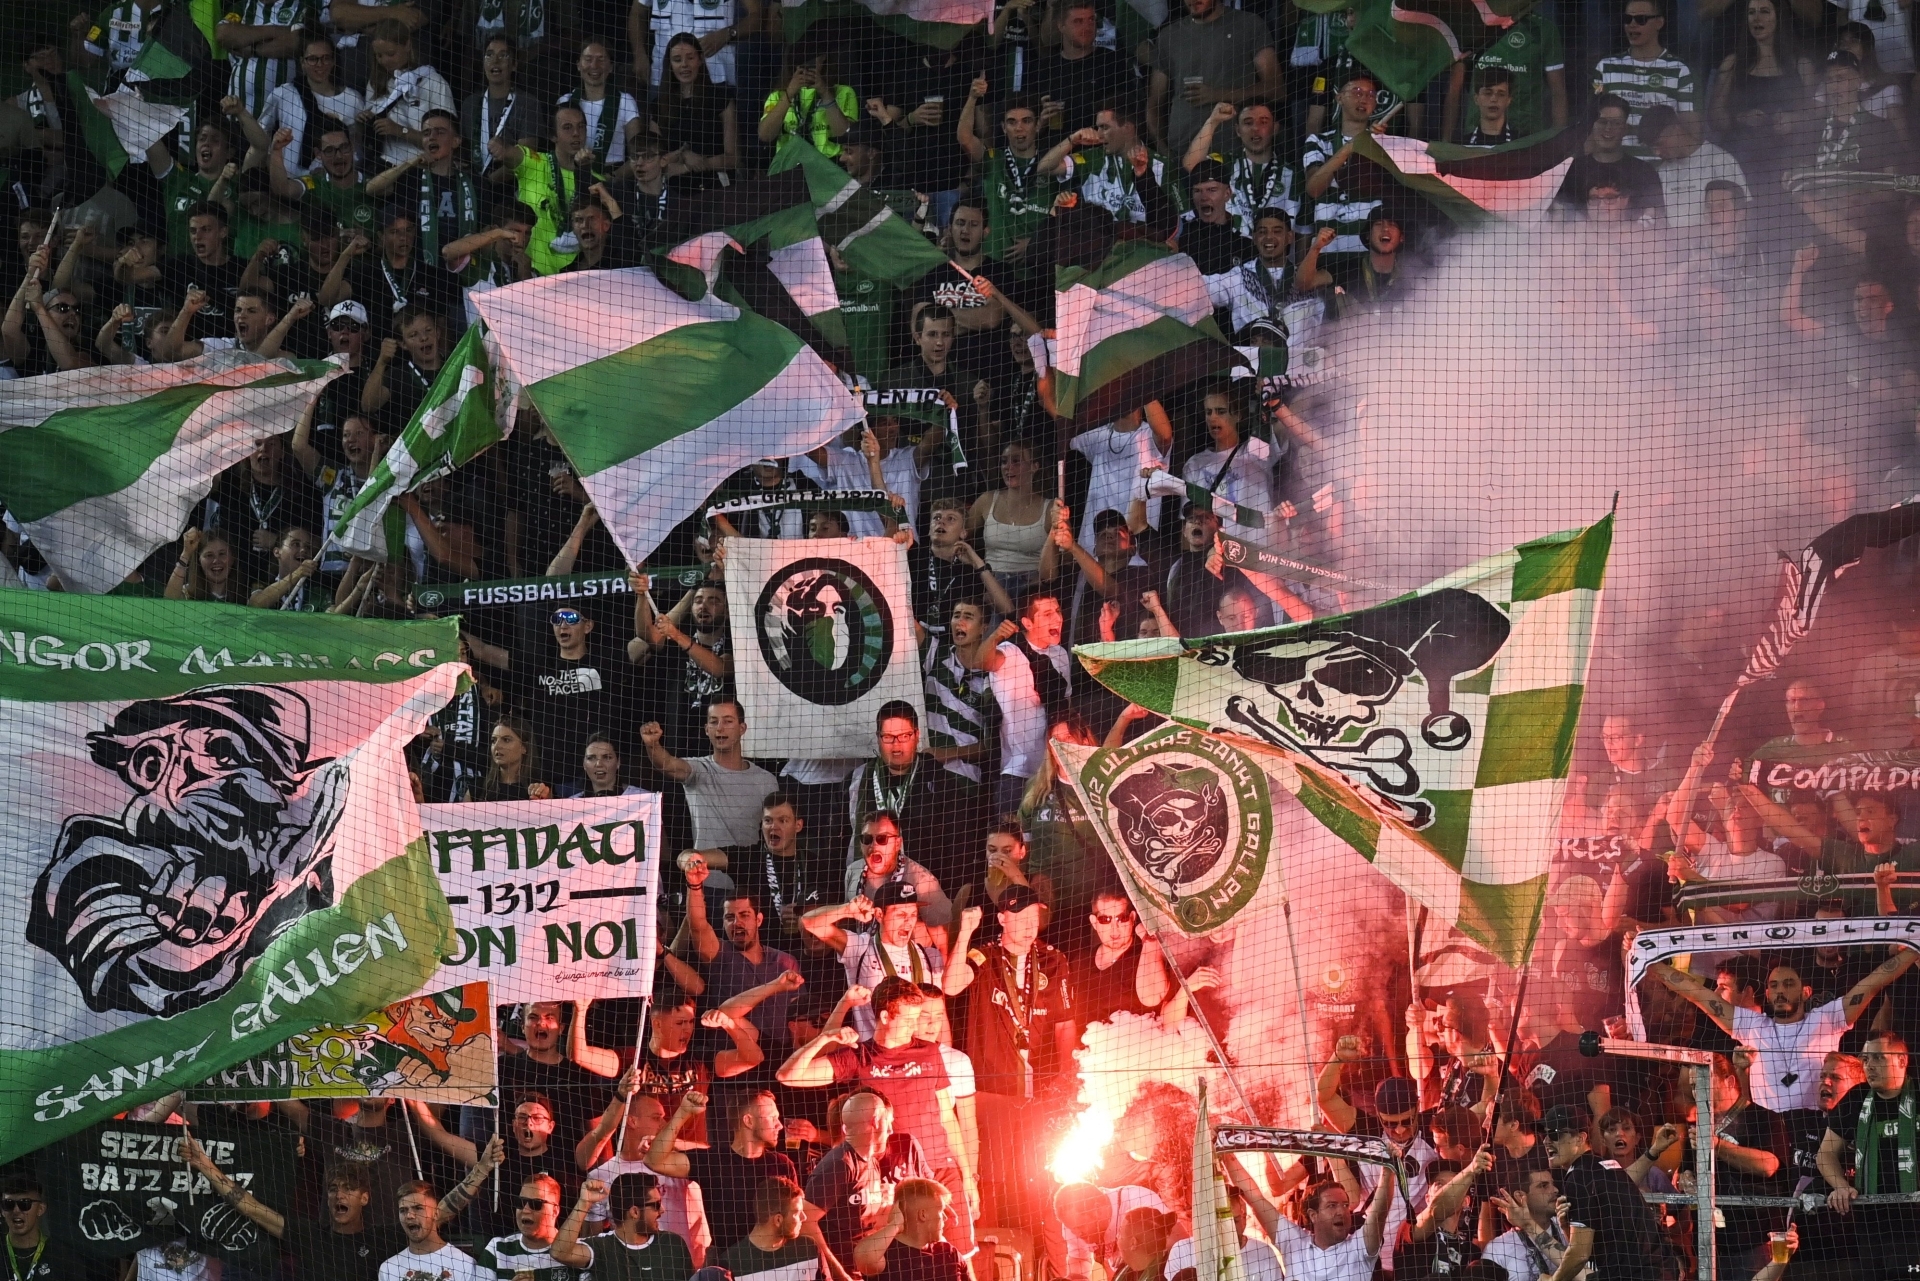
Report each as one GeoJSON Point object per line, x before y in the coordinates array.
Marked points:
{"type": "Point", "coordinates": [122, 1186]}
{"type": "Point", "coordinates": [822, 636]}
{"type": "Point", "coordinates": [1431, 734]}
{"type": "Point", "coordinates": [212, 841]}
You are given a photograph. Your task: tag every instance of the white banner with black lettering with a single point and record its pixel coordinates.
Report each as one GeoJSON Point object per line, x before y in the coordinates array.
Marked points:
{"type": "Point", "coordinates": [1652, 946]}
{"type": "Point", "coordinates": [822, 636]}
{"type": "Point", "coordinates": [552, 900]}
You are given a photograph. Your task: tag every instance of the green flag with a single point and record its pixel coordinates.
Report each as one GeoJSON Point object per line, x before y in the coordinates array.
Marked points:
{"type": "Point", "coordinates": [212, 841]}
{"type": "Point", "coordinates": [1409, 42]}
{"type": "Point", "coordinates": [120, 126]}
{"type": "Point", "coordinates": [873, 240]}
{"type": "Point", "coordinates": [469, 407]}
{"type": "Point", "coordinates": [1432, 733]}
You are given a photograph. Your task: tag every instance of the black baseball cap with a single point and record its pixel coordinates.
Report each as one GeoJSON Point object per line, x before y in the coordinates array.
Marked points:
{"type": "Point", "coordinates": [1018, 898]}
{"type": "Point", "coordinates": [894, 894]}
{"type": "Point", "coordinates": [1209, 170]}
{"type": "Point", "coordinates": [1841, 58]}
{"type": "Point", "coordinates": [1562, 1119]}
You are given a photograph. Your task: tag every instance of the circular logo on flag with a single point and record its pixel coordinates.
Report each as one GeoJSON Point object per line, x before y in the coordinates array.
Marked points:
{"type": "Point", "coordinates": [826, 631]}
{"type": "Point", "coordinates": [1193, 817]}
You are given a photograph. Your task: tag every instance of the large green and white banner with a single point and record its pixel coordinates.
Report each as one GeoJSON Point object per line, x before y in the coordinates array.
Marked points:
{"type": "Point", "coordinates": [213, 843]}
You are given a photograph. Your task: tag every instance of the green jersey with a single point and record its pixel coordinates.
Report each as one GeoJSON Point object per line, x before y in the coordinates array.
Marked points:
{"type": "Point", "coordinates": [181, 190]}
{"type": "Point", "coordinates": [1105, 179]}
{"type": "Point", "coordinates": [867, 310]}
{"type": "Point", "coordinates": [349, 203]}
{"type": "Point", "coordinates": [117, 34]}
{"type": "Point", "coordinates": [1530, 49]}
{"type": "Point", "coordinates": [252, 79]}
{"type": "Point", "coordinates": [1019, 198]}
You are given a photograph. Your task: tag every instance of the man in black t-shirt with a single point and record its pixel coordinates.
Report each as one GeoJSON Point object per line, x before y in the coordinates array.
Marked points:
{"type": "Point", "coordinates": [33, 1255]}
{"type": "Point", "coordinates": [400, 276]}
{"type": "Point", "coordinates": [1609, 1223]}
{"type": "Point", "coordinates": [1076, 79]}
{"type": "Point", "coordinates": [909, 1247]}
{"type": "Point", "coordinates": [1124, 964]}
{"type": "Point", "coordinates": [548, 1068]}
{"type": "Point", "coordinates": [1608, 163]}
{"type": "Point", "coordinates": [210, 267]}
{"type": "Point", "coordinates": [1825, 1237]}
{"type": "Point", "coordinates": [569, 693]}
{"type": "Point", "coordinates": [729, 1176]}
{"type": "Point", "coordinates": [343, 1246]}
{"type": "Point", "coordinates": [1871, 1131]}
{"type": "Point", "coordinates": [857, 1180]}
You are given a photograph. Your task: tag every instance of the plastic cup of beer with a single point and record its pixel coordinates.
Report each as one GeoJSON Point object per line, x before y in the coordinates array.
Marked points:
{"type": "Point", "coordinates": [1777, 1243]}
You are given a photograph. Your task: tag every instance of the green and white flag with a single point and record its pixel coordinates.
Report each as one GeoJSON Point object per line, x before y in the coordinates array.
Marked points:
{"type": "Point", "coordinates": [853, 220]}
{"type": "Point", "coordinates": [1432, 733]}
{"type": "Point", "coordinates": [119, 127]}
{"type": "Point", "coordinates": [1515, 182]}
{"type": "Point", "coordinates": [940, 23]}
{"type": "Point", "coordinates": [657, 399]}
{"type": "Point", "coordinates": [1409, 42]}
{"type": "Point", "coordinates": [212, 837]}
{"type": "Point", "coordinates": [100, 466]}
{"type": "Point", "coordinates": [469, 408]}
{"type": "Point", "coordinates": [1128, 330]}
{"type": "Point", "coordinates": [1165, 484]}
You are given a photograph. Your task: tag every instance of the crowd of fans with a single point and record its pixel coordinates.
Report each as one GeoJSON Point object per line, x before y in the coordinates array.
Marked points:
{"type": "Point", "coordinates": [875, 974]}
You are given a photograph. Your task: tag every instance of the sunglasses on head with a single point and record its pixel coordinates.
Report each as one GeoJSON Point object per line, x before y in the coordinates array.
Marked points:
{"type": "Point", "coordinates": [18, 1205]}
{"type": "Point", "coordinates": [567, 617]}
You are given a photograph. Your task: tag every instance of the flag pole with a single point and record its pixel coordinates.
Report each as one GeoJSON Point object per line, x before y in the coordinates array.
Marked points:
{"type": "Point", "coordinates": [406, 1114]}
{"type": "Point", "coordinates": [1219, 1050]}
{"type": "Point", "coordinates": [1299, 990]}
{"type": "Point", "coordinates": [1506, 1059]}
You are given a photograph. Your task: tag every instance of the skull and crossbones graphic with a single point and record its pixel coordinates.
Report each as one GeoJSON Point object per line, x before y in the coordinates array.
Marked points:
{"type": "Point", "coordinates": [1330, 679]}
{"type": "Point", "coordinates": [224, 844]}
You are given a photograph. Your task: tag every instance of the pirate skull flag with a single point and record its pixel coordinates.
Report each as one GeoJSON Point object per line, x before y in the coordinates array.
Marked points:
{"type": "Point", "coordinates": [1431, 733]}
{"type": "Point", "coordinates": [212, 837]}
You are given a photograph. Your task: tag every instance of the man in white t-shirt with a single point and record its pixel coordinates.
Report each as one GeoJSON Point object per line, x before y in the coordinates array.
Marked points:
{"type": "Point", "coordinates": [723, 790]}
{"type": "Point", "coordinates": [1259, 1261]}
{"type": "Point", "coordinates": [1121, 453]}
{"type": "Point", "coordinates": [427, 1253]}
{"type": "Point", "coordinates": [1790, 1042]}
{"type": "Point", "coordinates": [888, 947]}
{"type": "Point", "coordinates": [1328, 1249]}
{"type": "Point", "coordinates": [1534, 1246]}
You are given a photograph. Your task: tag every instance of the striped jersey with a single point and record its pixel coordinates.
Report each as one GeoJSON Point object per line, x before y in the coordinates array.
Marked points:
{"type": "Point", "coordinates": [1105, 179]}
{"type": "Point", "coordinates": [1344, 211]}
{"type": "Point", "coordinates": [511, 1254]}
{"type": "Point", "coordinates": [252, 79]}
{"type": "Point", "coordinates": [1664, 81]}
{"type": "Point", "coordinates": [960, 705]}
{"type": "Point", "coordinates": [118, 32]}
{"type": "Point", "coordinates": [1273, 185]}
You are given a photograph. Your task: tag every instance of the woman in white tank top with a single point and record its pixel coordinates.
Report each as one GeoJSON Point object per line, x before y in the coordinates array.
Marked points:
{"type": "Point", "coordinates": [1013, 522]}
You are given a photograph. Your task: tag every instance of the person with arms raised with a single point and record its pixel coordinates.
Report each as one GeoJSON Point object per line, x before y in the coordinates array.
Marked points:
{"type": "Point", "coordinates": [636, 1249]}
{"type": "Point", "coordinates": [913, 1076]}
{"type": "Point", "coordinates": [730, 1177]}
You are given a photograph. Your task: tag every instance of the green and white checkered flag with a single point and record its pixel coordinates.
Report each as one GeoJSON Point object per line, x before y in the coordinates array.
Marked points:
{"type": "Point", "coordinates": [1432, 733]}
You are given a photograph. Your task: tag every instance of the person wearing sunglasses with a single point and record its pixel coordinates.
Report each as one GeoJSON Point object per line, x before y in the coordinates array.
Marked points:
{"type": "Point", "coordinates": [1125, 970]}
{"type": "Point", "coordinates": [1647, 74]}
{"type": "Point", "coordinates": [32, 1255]}
{"type": "Point", "coordinates": [636, 1249]}
{"type": "Point", "coordinates": [530, 1250]}
{"type": "Point", "coordinates": [575, 689]}
{"type": "Point", "coordinates": [1395, 1117]}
